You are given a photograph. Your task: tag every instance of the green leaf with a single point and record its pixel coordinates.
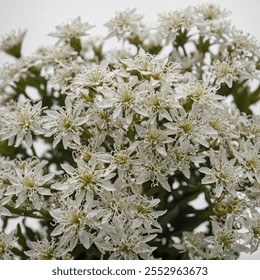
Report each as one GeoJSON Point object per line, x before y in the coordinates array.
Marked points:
{"type": "Point", "coordinates": [255, 96]}
{"type": "Point", "coordinates": [17, 252]}
{"type": "Point", "coordinates": [21, 239]}
{"type": "Point", "coordinates": [202, 46]}
{"type": "Point", "coordinates": [181, 38]}
{"type": "Point", "coordinates": [75, 44]}
{"type": "Point", "coordinates": [5, 222]}
{"type": "Point", "coordinates": [29, 232]}
{"type": "Point", "coordinates": [131, 134]}
{"type": "Point", "coordinates": [169, 216]}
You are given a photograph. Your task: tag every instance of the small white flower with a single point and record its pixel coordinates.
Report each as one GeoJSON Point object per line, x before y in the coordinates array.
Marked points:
{"type": "Point", "coordinates": [194, 244]}
{"type": "Point", "coordinates": [211, 12]}
{"type": "Point", "coordinates": [64, 123]}
{"type": "Point", "coordinates": [225, 72]}
{"type": "Point", "coordinates": [124, 98]}
{"type": "Point", "coordinates": [59, 56]}
{"type": "Point", "coordinates": [247, 69]}
{"type": "Point", "coordinates": [152, 68]}
{"type": "Point", "coordinates": [249, 157]}
{"type": "Point", "coordinates": [224, 173]}
{"type": "Point", "coordinates": [116, 204]}
{"type": "Point", "coordinates": [153, 139]}
{"type": "Point", "coordinates": [224, 244]}
{"type": "Point", "coordinates": [7, 241]}
{"type": "Point", "coordinates": [174, 23]}
{"type": "Point", "coordinates": [252, 236]}
{"type": "Point", "coordinates": [92, 76]}
{"type": "Point", "coordinates": [244, 44]}
{"type": "Point", "coordinates": [124, 23]}
{"type": "Point", "coordinates": [6, 169]}
{"type": "Point", "coordinates": [199, 92]}
{"type": "Point", "coordinates": [182, 155]}
{"type": "Point", "coordinates": [63, 77]}
{"type": "Point", "coordinates": [191, 125]}
{"type": "Point", "coordinates": [125, 243]}
{"type": "Point", "coordinates": [251, 127]}
{"type": "Point", "coordinates": [72, 29]}
{"type": "Point", "coordinates": [159, 104]}
{"type": "Point", "coordinates": [11, 73]}
{"type": "Point", "coordinates": [74, 222]}
{"type": "Point", "coordinates": [144, 213]}
{"type": "Point", "coordinates": [90, 176]}
{"type": "Point", "coordinates": [47, 250]}
{"type": "Point", "coordinates": [28, 182]}
{"type": "Point", "coordinates": [20, 122]}
{"type": "Point", "coordinates": [152, 168]}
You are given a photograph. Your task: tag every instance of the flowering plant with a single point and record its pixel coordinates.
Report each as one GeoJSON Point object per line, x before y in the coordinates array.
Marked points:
{"type": "Point", "coordinates": [132, 152]}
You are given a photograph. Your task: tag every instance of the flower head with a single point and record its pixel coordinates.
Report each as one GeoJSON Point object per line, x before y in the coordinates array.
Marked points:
{"type": "Point", "coordinates": [224, 244]}
{"type": "Point", "coordinates": [47, 250]}
{"type": "Point", "coordinates": [29, 183]}
{"type": "Point", "coordinates": [7, 241]}
{"type": "Point", "coordinates": [20, 122]}
{"type": "Point", "coordinates": [64, 123]}
{"type": "Point", "coordinates": [124, 24]}
{"type": "Point", "coordinates": [12, 42]}
{"type": "Point", "coordinates": [125, 243]}
{"type": "Point", "coordinates": [75, 222]}
{"type": "Point", "coordinates": [72, 29]}
{"type": "Point", "coordinates": [224, 173]}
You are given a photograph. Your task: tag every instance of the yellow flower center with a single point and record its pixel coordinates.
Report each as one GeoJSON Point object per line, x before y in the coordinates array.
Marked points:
{"type": "Point", "coordinates": [186, 127]}
{"type": "Point", "coordinates": [143, 209]}
{"type": "Point", "coordinates": [29, 183]}
{"type": "Point", "coordinates": [86, 179]}
{"type": "Point", "coordinates": [67, 123]}
{"type": "Point", "coordinates": [122, 159]}
{"type": "Point", "coordinates": [48, 254]}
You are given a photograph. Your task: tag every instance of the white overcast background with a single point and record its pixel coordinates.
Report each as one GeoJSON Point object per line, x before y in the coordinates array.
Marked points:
{"type": "Point", "coordinates": [40, 17]}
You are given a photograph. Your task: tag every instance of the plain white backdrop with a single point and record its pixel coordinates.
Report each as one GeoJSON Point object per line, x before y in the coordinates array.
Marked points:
{"type": "Point", "coordinates": [40, 17]}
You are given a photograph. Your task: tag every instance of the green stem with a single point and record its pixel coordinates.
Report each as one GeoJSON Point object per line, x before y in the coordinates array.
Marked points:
{"type": "Point", "coordinates": [26, 213]}
{"type": "Point", "coordinates": [184, 50]}
{"type": "Point", "coordinates": [33, 151]}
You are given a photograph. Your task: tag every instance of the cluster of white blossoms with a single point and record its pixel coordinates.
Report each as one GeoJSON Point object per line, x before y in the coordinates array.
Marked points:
{"type": "Point", "coordinates": [130, 137]}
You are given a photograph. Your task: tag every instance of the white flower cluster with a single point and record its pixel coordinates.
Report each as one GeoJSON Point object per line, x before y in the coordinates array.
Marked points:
{"type": "Point", "coordinates": [131, 136]}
